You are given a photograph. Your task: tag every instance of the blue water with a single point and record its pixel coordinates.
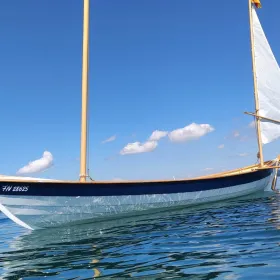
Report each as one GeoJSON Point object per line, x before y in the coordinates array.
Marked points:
{"type": "Point", "coordinates": [236, 239]}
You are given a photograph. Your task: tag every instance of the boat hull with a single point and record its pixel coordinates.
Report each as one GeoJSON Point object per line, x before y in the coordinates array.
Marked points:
{"type": "Point", "coordinates": [43, 204]}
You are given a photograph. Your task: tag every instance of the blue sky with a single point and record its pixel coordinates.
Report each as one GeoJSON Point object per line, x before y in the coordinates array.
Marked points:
{"type": "Point", "coordinates": [154, 65]}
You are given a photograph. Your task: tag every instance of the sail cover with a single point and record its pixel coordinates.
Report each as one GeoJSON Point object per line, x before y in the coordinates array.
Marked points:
{"type": "Point", "coordinates": [268, 82]}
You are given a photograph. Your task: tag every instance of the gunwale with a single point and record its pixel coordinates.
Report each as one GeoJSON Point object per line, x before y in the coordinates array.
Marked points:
{"type": "Point", "coordinates": [238, 171]}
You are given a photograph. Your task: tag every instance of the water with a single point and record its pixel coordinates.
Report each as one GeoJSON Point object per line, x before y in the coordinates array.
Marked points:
{"type": "Point", "coordinates": [237, 239]}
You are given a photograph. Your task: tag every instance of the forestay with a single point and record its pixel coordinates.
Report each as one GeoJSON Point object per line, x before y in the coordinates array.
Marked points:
{"type": "Point", "coordinates": [268, 82]}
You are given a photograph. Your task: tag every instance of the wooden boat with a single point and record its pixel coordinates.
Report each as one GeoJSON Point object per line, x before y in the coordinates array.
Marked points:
{"type": "Point", "coordinates": [38, 203]}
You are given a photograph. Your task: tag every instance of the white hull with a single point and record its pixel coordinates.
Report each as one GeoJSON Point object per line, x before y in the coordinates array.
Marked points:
{"type": "Point", "coordinates": [35, 212]}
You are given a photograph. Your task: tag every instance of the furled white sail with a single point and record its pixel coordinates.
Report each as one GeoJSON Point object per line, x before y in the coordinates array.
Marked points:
{"type": "Point", "coordinates": [268, 82]}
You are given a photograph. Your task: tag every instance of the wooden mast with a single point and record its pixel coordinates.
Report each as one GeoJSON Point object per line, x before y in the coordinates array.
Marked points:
{"type": "Point", "coordinates": [258, 125]}
{"type": "Point", "coordinates": [83, 159]}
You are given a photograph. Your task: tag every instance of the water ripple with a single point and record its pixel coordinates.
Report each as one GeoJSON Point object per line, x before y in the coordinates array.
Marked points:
{"type": "Point", "coordinates": [228, 240]}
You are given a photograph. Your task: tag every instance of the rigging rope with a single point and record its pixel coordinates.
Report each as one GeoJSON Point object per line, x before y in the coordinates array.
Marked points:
{"type": "Point", "coordinates": [88, 126]}
{"type": "Point", "coordinates": [256, 130]}
{"type": "Point", "coordinates": [88, 146]}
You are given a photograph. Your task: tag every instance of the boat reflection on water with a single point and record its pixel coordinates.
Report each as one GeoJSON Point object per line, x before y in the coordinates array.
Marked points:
{"type": "Point", "coordinates": [205, 242]}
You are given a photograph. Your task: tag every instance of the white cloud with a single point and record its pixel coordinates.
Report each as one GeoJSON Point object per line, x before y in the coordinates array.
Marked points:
{"type": "Point", "coordinates": [208, 168]}
{"type": "Point", "coordinates": [243, 154]}
{"type": "Point", "coordinates": [157, 135]}
{"type": "Point", "coordinates": [137, 147]}
{"type": "Point", "coordinates": [236, 134]}
{"type": "Point", "coordinates": [221, 146]}
{"type": "Point", "coordinates": [252, 124]}
{"type": "Point", "coordinates": [190, 132]}
{"type": "Point", "coordinates": [148, 146]}
{"type": "Point", "coordinates": [110, 139]}
{"type": "Point", "coordinates": [38, 165]}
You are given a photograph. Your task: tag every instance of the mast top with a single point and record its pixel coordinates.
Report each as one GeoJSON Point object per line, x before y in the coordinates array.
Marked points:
{"type": "Point", "coordinates": [257, 3]}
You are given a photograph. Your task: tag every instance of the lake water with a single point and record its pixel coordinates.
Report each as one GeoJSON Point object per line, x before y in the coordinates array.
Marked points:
{"type": "Point", "coordinates": [236, 239]}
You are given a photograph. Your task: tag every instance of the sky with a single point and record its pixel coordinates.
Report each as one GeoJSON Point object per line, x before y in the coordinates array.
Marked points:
{"type": "Point", "coordinates": [155, 67]}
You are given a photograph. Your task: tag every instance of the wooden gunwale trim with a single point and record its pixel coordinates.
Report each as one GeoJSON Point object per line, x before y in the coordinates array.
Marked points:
{"type": "Point", "coordinates": [246, 169]}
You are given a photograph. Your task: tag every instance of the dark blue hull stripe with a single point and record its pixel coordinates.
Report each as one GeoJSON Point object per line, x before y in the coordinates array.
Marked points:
{"type": "Point", "coordinates": [134, 188]}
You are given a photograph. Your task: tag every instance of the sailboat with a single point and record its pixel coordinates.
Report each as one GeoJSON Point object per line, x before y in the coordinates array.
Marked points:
{"type": "Point", "coordinates": [36, 203]}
